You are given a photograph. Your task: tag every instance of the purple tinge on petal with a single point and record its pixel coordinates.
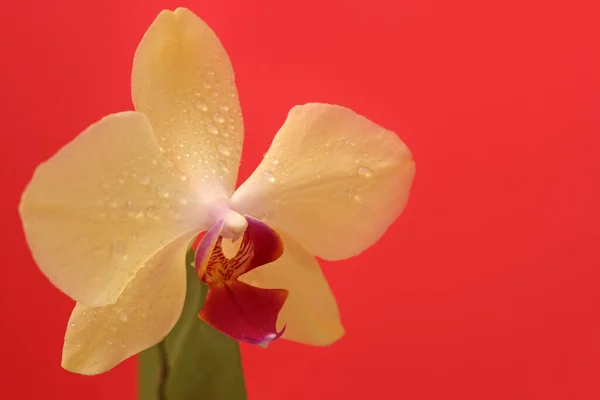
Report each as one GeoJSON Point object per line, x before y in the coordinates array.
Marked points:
{"type": "Point", "coordinates": [241, 311]}
{"type": "Point", "coordinates": [244, 312]}
{"type": "Point", "coordinates": [260, 245]}
{"type": "Point", "coordinates": [206, 246]}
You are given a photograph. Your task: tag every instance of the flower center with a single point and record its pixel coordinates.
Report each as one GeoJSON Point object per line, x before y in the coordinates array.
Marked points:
{"type": "Point", "coordinates": [234, 225]}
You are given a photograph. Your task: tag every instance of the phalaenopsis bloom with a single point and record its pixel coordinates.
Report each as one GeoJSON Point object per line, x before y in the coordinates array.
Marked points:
{"type": "Point", "coordinates": [109, 218]}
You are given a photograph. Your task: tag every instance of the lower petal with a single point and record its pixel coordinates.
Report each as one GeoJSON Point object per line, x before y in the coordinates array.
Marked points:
{"type": "Point", "coordinates": [243, 312]}
{"type": "Point", "coordinates": [310, 314]}
{"type": "Point", "coordinates": [99, 338]}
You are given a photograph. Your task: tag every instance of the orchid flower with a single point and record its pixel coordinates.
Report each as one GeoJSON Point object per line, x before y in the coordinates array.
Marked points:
{"type": "Point", "coordinates": [109, 218]}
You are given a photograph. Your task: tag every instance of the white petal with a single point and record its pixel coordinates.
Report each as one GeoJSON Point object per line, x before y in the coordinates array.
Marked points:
{"type": "Point", "coordinates": [183, 81]}
{"type": "Point", "coordinates": [102, 206]}
{"type": "Point", "coordinates": [332, 179]}
{"type": "Point", "coordinates": [98, 338]}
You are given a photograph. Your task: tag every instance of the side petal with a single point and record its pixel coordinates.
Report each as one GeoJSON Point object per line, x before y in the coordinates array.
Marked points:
{"type": "Point", "coordinates": [183, 81]}
{"type": "Point", "coordinates": [310, 314]}
{"type": "Point", "coordinates": [99, 338]}
{"type": "Point", "coordinates": [332, 179]}
{"type": "Point", "coordinates": [102, 206]}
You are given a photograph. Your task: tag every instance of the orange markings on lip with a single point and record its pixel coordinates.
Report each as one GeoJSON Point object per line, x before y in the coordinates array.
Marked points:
{"type": "Point", "coordinates": [241, 311]}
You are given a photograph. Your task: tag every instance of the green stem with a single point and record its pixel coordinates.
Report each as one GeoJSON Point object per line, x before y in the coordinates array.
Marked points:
{"type": "Point", "coordinates": [162, 385]}
{"type": "Point", "coordinates": [194, 361]}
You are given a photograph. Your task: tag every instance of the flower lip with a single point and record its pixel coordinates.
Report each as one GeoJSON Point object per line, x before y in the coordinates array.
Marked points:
{"type": "Point", "coordinates": [241, 311]}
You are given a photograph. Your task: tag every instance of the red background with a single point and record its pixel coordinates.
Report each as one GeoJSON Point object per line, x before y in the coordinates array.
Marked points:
{"type": "Point", "coordinates": [487, 286]}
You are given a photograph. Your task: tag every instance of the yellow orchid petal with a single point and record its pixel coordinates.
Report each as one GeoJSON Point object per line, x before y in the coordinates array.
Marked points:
{"type": "Point", "coordinates": [98, 338]}
{"type": "Point", "coordinates": [102, 206]}
{"type": "Point", "coordinates": [183, 81]}
{"type": "Point", "coordinates": [310, 314]}
{"type": "Point", "coordinates": [332, 179]}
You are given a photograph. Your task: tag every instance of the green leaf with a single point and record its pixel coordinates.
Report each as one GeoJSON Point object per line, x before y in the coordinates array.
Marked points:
{"type": "Point", "coordinates": [194, 361]}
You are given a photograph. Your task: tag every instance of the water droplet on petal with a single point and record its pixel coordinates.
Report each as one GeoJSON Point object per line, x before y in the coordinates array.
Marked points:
{"type": "Point", "coordinates": [180, 197]}
{"type": "Point", "coordinates": [212, 129]}
{"type": "Point", "coordinates": [131, 208]}
{"type": "Point", "coordinates": [162, 192]}
{"type": "Point", "coordinates": [223, 166]}
{"type": "Point", "coordinates": [218, 118]}
{"type": "Point", "coordinates": [357, 198]}
{"type": "Point", "coordinates": [182, 175]}
{"type": "Point", "coordinates": [223, 149]}
{"type": "Point", "coordinates": [200, 104]}
{"type": "Point", "coordinates": [365, 172]}
{"type": "Point", "coordinates": [224, 107]}
{"type": "Point", "coordinates": [270, 177]}
{"type": "Point", "coordinates": [144, 179]}
{"type": "Point", "coordinates": [151, 212]}
{"type": "Point", "coordinates": [118, 249]}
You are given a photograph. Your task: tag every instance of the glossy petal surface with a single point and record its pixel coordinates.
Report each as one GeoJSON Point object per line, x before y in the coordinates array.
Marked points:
{"type": "Point", "coordinates": [332, 179]}
{"type": "Point", "coordinates": [102, 206]}
{"type": "Point", "coordinates": [310, 313]}
{"type": "Point", "coordinates": [98, 338]}
{"type": "Point", "coordinates": [241, 311]}
{"type": "Point", "coordinates": [183, 81]}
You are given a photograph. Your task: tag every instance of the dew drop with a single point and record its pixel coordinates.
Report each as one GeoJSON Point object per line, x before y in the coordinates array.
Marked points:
{"type": "Point", "coordinates": [144, 179]}
{"type": "Point", "coordinates": [182, 175]}
{"type": "Point", "coordinates": [270, 177]}
{"type": "Point", "coordinates": [223, 166]}
{"type": "Point", "coordinates": [357, 198]}
{"type": "Point", "coordinates": [131, 208]}
{"type": "Point", "coordinates": [201, 105]}
{"type": "Point", "coordinates": [212, 129]}
{"type": "Point", "coordinates": [218, 118]}
{"type": "Point", "coordinates": [223, 149]}
{"type": "Point", "coordinates": [162, 191]}
{"type": "Point", "coordinates": [151, 212]}
{"type": "Point", "coordinates": [224, 107]}
{"type": "Point", "coordinates": [365, 172]}
{"type": "Point", "coordinates": [206, 85]}
{"type": "Point", "coordinates": [180, 197]}
{"type": "Point", "coordinates": [118, 249]}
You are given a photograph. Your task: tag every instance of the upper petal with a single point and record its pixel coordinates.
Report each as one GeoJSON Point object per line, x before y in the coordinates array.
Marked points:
{"type": "Point", "coordinates": [98, 338]}
{"type": "Point", "coordinates": [310, 314]}
{"type": "Point", "coordinates": [102, 206]}
{"type": "Point", "coordinates": [183, 81]}
{"type": "Point", "coordinates": [332, 179]}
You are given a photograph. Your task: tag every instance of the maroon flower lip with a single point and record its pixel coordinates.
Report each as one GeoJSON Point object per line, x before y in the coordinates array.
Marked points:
{"type": "Point", "coordinates": [241, 311]}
